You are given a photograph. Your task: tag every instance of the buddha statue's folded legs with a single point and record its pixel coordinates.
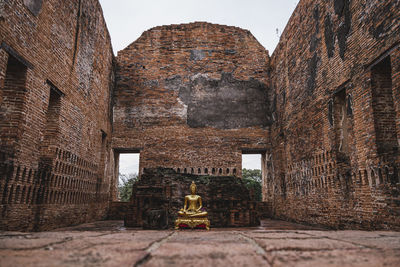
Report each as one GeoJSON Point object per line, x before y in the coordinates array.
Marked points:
{"type": "Point", "coordinates": [192, 214]}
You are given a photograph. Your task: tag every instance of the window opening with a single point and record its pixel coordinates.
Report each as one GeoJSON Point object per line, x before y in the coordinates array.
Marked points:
{"type": "Point", "coordinates": [128, 172]}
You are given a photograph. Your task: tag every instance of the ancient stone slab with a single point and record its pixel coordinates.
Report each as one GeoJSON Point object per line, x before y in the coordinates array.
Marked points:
{"type": "Point", "coordinates": [105, 243]}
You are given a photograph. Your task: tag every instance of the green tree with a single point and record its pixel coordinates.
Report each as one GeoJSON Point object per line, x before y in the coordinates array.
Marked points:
{"type": "Point", "coordinates": [125, 185]}
{"type": "Point", "coordinates": [252, 180]}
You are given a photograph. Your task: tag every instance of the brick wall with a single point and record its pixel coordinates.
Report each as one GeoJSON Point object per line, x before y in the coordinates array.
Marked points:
{"type": "Point", "coordinates": [56, 76]}
{"type": "Point", "coordinates": [335, 150]}
{"type": "Point", "coordinates": [192, 97]}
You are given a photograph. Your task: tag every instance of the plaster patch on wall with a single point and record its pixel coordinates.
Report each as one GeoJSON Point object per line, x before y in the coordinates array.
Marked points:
{"type": "Point", "coordinates": [226, 103]}
{"type": "Point", "coordinates": [34, 6]}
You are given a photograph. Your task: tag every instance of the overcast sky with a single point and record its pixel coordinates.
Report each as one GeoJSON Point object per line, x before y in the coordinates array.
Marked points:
{"type": "Point", "coordinates": [128, 19]}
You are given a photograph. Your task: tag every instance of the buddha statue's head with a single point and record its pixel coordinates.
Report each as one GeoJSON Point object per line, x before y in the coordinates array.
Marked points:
{"type": "Point", "coordinates": [193, 188]}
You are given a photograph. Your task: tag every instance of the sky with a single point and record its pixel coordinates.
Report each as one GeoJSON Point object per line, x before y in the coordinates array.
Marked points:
{"type": "Point", "coordinates": [128, 19]}
{"type": "Point", "coordinates": [129, 163]}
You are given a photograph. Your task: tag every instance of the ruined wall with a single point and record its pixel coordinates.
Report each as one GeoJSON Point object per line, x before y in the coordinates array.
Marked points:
{"type": "Point", "coordinates": [192, 97]}
{"type": "Point", "coordinates": [335, 140]}
{"type": "Point", "coordinates": [160, 194]}
{"type": "Point", "coordinates": [56, 76]}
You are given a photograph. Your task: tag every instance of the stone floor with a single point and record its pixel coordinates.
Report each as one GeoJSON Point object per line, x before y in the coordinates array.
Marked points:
{"type": "Point", "coordinates": [274, 243]}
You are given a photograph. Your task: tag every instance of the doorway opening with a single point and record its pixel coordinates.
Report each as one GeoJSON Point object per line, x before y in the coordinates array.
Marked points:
{"type": "Point", "coordinates": [127, 172]}
{"type": "Point", "coordinates": [252, 172]}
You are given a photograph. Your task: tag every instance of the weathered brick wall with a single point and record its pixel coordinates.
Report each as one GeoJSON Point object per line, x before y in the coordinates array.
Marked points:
{"type": "Point", "coordinates": [335, 139]}
{"type": "Point", "coordinates": [192, 97]}
{"type": "Point", "coordinates": [56, 145]}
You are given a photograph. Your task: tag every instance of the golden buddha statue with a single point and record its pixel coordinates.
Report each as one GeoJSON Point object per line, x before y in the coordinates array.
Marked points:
{"type": "Point", "coordinates": [192, 215]}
